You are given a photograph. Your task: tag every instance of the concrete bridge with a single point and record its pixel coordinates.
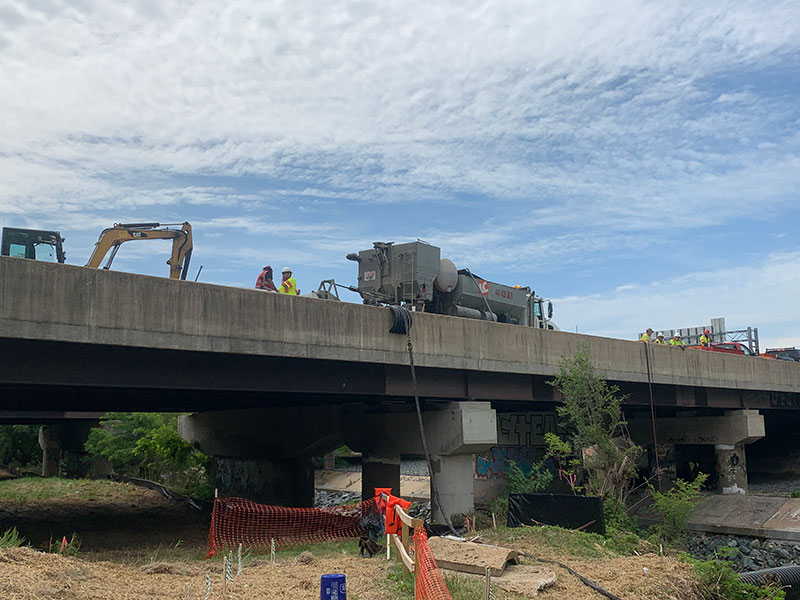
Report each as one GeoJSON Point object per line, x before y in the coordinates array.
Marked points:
{"type": "Point", "coordinates": [276, 379]}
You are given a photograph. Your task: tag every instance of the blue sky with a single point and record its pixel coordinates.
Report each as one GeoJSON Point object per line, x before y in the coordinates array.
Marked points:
{"type": "Point", "coordinates": [637, 162]}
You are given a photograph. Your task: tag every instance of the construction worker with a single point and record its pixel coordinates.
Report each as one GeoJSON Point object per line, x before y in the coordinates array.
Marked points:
{"type": "Point", "coordinates": [677, 341]}
{"type": "Point", "coordinates": [660, 338]}
{"type": "Point", "coordinates": [264, 281]}
{"type": "Point", "coordinates": [288, 284]}
{"type": "Point", "coordinates": [646, 335]}
{"type": "Point", "coordinates": [705, 339]}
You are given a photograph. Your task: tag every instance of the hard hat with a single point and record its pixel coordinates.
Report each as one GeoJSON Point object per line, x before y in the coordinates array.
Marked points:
{"type": "Point", "coordinates": [660, 334]}
{"type": "Point", "coordinates": [706, 331]}
{"type": "Point", "coordinates": [677, 335]}
{"type": "Point", "coordinates": [286, 270]}
{"type": "Point", "coordinates": [268, 268]}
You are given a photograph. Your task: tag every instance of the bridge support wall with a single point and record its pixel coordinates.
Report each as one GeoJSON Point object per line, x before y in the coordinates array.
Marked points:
{"type": "Point", "coordinates": [280, 482]}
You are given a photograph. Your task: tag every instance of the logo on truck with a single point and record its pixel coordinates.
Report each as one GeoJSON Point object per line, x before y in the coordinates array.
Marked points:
{"type": "Point", "coordinates": [483, 286]}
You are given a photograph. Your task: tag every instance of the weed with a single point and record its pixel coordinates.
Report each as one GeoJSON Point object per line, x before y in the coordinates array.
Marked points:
{"type": "Point", "coordinates": [64, 547]}
{"type": "Point", "coordinates": [720, 582]}
{"type": "Point", "coordinates": [11, 539]}
{"type": "Point", "coordinates": [796, 494]}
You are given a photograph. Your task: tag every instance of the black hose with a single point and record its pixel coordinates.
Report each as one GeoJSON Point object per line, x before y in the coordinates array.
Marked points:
{"type": "Point", "coordinates": [786, 578]}
{"type": "Point", "coordinates": [401, 320]}
{"type": "Point", "coordinates": [583, 579]}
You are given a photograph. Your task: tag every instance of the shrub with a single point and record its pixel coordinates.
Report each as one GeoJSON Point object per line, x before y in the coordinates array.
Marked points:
{"type": "Point", "coordinates": [676, 506]}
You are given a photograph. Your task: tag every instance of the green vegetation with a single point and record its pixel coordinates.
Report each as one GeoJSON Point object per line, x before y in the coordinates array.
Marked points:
{"type": "Point", "coordinates": [796, 494]}
{"type": "Point", "coordinates": [597, 444]}
{"type": "Point", "coordinates": [537, 479]}
{"type": "Point", "coordinates": [65, 547]}
{"type": "Point", "coordinates": [676, 506]}
{"type": "Point", "coordinates": [462, 587]}
{"type": "Point", "coordinates": [11, 539]}
{"type": "Point", "coordinates": [33, 489]}
{"type": "Point", "coordinates": [720, 582]}
{"type": "Point", "coordinates": [148, 445]}
{"type": "Point", "coordinates": [19, 446]}
{"type": "Point", "coordinates": [579, 544]}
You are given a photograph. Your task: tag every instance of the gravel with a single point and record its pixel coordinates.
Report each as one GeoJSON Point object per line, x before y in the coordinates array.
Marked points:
{"type": "Point", "coordinates": [746, 553]}
{"type": "Point", "coordinates": [772, 485]}
{"type": "Point", "coordinates": [407, 467]}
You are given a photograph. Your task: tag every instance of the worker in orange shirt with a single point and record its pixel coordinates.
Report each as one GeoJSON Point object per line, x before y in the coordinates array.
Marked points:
{"type": "Point", "coordinates": [288, 284]}
{"type": "Point", "coordinates": [264, 281]}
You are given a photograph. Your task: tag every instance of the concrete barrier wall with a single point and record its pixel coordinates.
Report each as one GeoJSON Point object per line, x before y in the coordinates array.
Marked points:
{"type": "Point", "coordinates": [77, 304]}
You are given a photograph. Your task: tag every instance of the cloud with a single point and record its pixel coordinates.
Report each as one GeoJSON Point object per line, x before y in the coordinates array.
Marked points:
{"type": "Point", "coordinates": [756, 295]}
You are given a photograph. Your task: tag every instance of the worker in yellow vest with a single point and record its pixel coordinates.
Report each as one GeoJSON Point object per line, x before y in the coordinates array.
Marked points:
{"type": "Point", "coordinates": [288, 284]}
{"type": "Point", "coordinates": [646, 335]}
{"type": "Point", "coordinates": [660, 338]}
{"type": "Point", "coordinates": [677, 341]}
{"type": "Point", "coordinates": [705, 339]}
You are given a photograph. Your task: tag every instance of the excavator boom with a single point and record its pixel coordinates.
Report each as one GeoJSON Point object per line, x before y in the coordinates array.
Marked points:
{"type": "Point", "coordinates": [113, 237]}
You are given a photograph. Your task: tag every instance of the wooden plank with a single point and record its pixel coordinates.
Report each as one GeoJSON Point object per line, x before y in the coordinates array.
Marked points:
{"type": "Point", "coordinates": [407, 561]}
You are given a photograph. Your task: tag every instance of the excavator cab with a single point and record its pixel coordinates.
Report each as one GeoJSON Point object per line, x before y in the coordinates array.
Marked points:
{"type": "Point", "coordinates": [33, 243]}
{"type": "Point", "coordinates": [113, 237]}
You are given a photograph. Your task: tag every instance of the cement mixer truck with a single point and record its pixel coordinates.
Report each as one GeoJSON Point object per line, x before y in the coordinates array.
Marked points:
{"type": "Point", "coordinates": [414, 274]}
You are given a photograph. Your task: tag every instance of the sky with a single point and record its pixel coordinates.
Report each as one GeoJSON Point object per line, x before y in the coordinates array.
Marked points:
{"type": "Point", "coordinates": [637, 162]}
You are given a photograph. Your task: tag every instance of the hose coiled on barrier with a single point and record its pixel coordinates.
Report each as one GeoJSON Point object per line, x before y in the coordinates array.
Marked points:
{"type": "Point", "coordinates": [787, 578]}
{"type": "Point", "coordinates": [401, 320]}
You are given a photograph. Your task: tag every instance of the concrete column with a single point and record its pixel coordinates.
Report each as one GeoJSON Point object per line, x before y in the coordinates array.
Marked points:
{"type": "Point", "coordinates": [453, 478]}
{"type": "Point", "coordinates": [50, 443]}
{"type": "Point", "coordinates": [731, 468]}
{"type": "Point", "coordinates": [280, 482]}
{"type": "Point", "coordinates": [379, 471]}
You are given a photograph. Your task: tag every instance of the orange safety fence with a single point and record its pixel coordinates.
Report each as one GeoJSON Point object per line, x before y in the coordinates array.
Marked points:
{"type": "Point", "coordinates": [429, 582]}
{"type": "Point", "coordinates": [237, 521]}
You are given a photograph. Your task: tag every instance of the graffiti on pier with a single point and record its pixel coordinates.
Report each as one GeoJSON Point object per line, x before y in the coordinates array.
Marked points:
{"type": "Point", "coordinates": [525, 428]}
{"type": "Point", "coordinates": [493, 463]}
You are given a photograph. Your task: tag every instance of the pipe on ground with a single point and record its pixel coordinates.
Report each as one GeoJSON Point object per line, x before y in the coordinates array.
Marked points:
{"type": "Point", "coordinates": [787, 577]}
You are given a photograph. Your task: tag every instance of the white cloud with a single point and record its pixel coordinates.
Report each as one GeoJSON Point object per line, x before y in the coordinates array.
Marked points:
{"type": "Point", "coordinates": [761, 295]}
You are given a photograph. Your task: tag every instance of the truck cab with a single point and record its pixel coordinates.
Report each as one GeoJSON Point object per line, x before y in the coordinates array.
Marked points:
{"type": "Point", "coordinates": [33, 243]}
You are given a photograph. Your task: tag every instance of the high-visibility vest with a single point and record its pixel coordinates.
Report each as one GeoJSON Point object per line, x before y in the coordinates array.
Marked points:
{"type": "Point", "coordinates": [289, 287]}
{"type": "Point", "coordinates": [660, 341]}
{"type": "Point", "coordinates": [644, 338]}
{"type": "Point", "coordinates": [674, 342]}
{"type": "Point", "coordinates": [705, 340]}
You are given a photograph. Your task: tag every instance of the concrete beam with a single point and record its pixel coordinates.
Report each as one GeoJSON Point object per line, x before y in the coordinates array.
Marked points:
{"type": "Point", "coordinates": [734, 427]}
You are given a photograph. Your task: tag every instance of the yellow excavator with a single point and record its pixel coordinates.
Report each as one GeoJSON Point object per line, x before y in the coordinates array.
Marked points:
{"type": "Point", "coordinates": [113, 237]}
{"type": "Point", "coordinates": [47, 245]}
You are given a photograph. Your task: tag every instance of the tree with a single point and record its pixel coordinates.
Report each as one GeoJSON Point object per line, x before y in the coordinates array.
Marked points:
{"type": "Point", "coordinates": [148, 445]}
{"type": "Point", "coordinates": [597, 441]}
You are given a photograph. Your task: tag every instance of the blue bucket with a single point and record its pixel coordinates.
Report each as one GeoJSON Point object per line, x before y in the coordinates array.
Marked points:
{"type": "Point", "coordinates": [332, 587]}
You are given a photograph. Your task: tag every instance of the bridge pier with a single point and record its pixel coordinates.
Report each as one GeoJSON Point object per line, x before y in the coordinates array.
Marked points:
{"type": "Point", "coordinates": [379, 471]}
{"type": "Point", "coordinates": [727, 434]}
{"type": "Point", "coordinates": [65, 441]}
{"type": "Point", "coordinates": [265, 454]}
{"type": "Point", "coordinates": [280, 482]}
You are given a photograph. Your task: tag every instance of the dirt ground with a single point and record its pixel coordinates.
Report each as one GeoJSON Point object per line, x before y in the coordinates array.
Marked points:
{"type": "Point", "coordinates": [138, 544]}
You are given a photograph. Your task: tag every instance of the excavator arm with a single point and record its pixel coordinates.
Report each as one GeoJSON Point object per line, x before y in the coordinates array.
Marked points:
{"type": "Point", "coordinates": [113, 237]}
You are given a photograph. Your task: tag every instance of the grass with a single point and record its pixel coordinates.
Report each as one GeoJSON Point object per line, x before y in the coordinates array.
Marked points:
{"type": "Point", "coordinates": [574, 543]}
{"type": "Point", "coordinates": [37, 489]}
{"type": "Point", "coordinates": [11, 539]}
{"type": "Point", "coordinates": [461, 587]}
